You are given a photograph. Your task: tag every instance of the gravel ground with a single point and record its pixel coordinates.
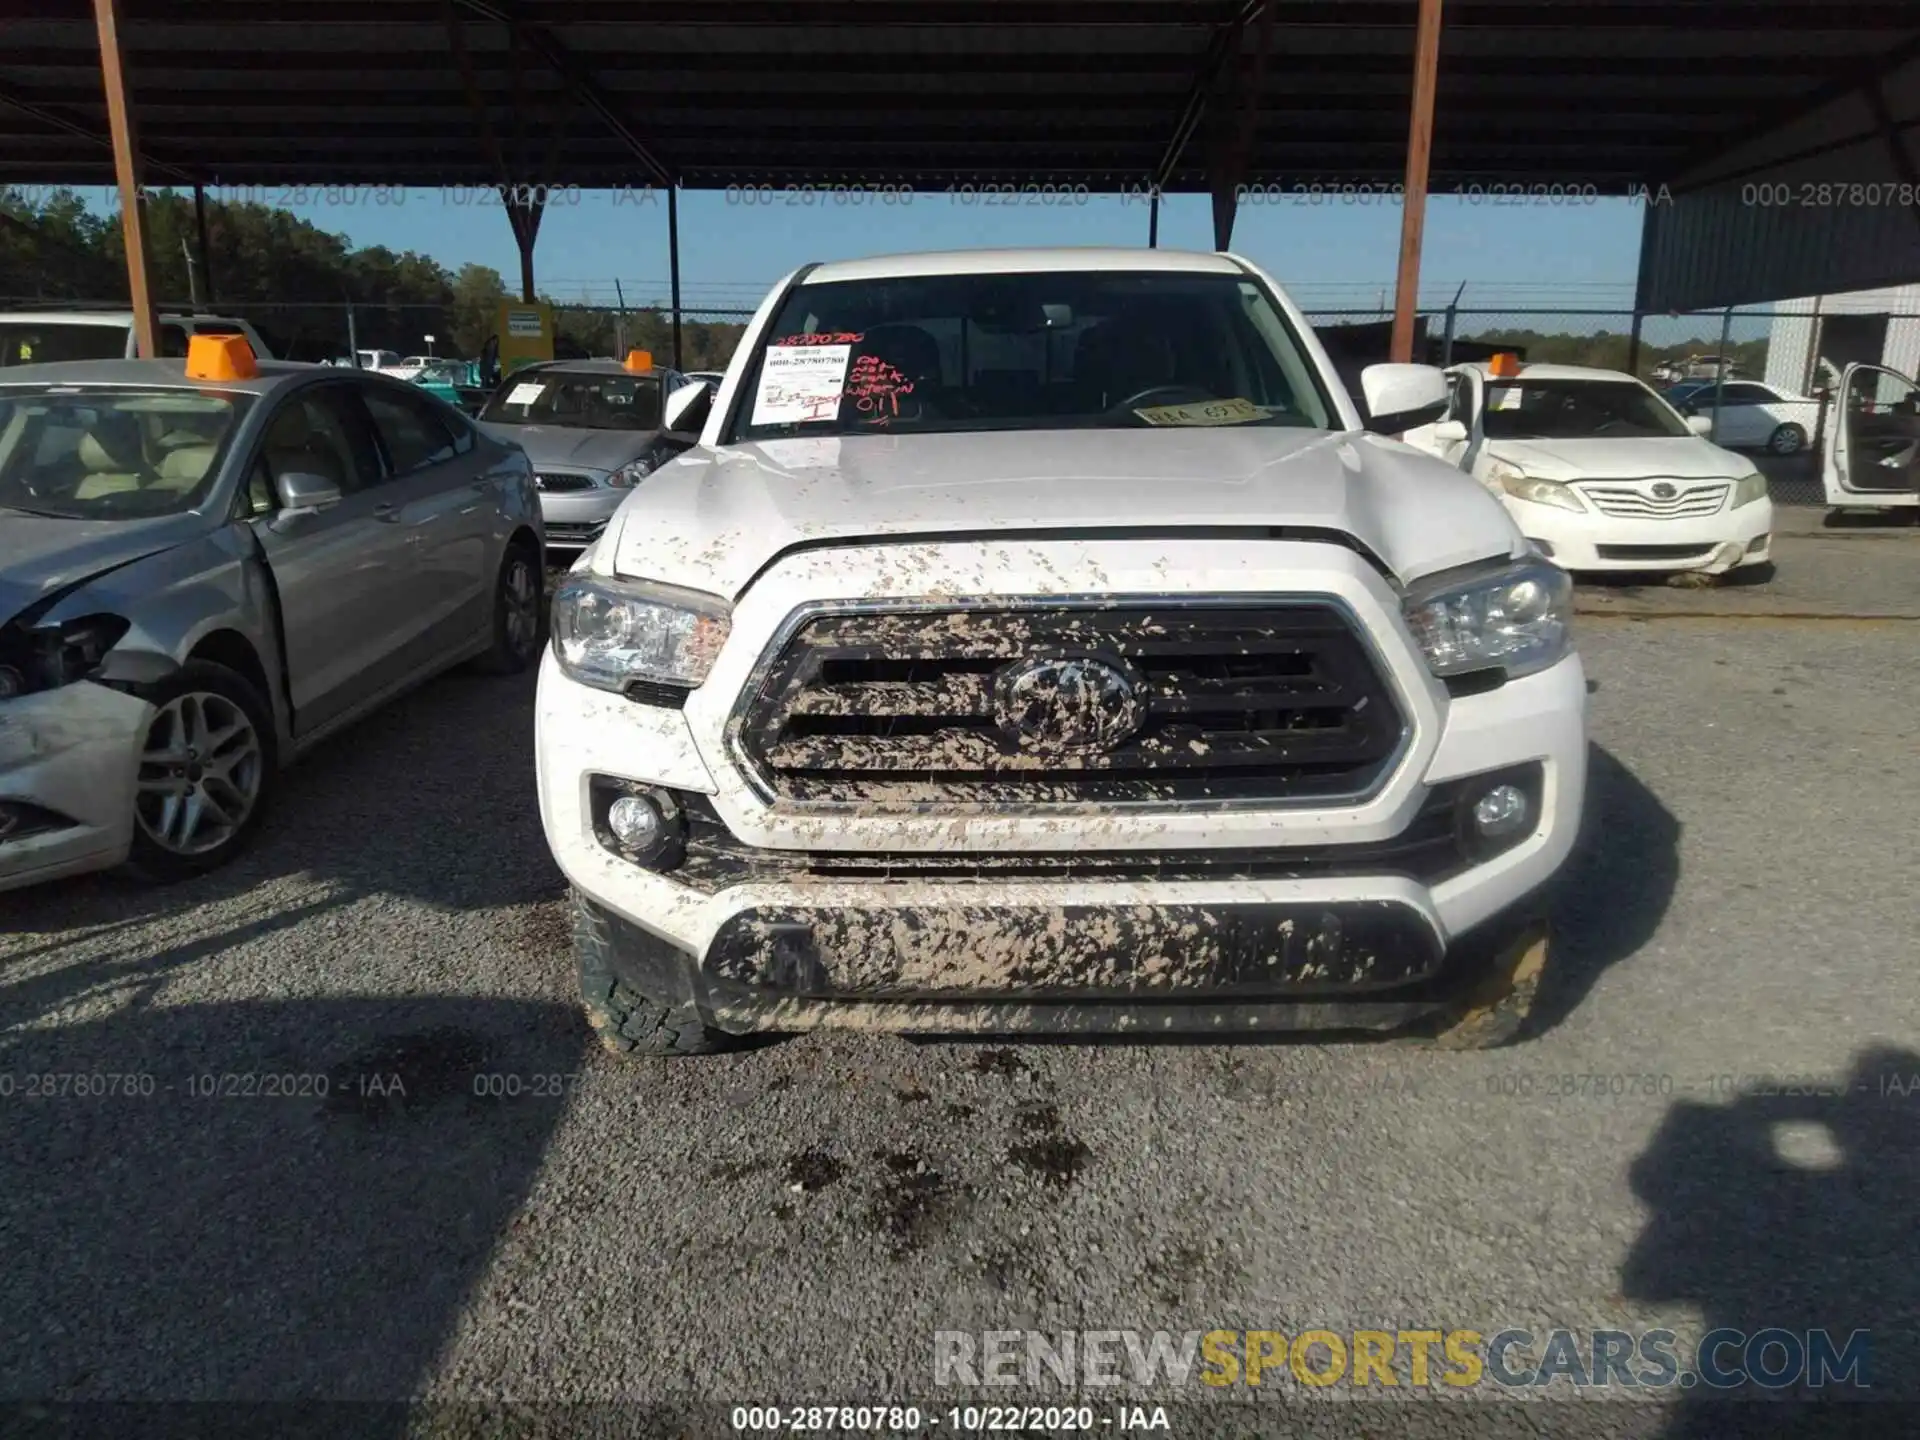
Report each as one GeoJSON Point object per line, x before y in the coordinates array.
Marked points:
{"type": "Point", "coordinates": [799, 1221]}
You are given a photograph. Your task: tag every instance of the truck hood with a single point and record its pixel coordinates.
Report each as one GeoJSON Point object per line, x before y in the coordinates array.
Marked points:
{"type": "Point", "coordinates": [40, 557]}
{"type": "Point", "coordinates": [575, 449]}
{"type": "Point", "coordinates": [713, 518]}
{"type": "Point", "coordinates": [1687, 457]}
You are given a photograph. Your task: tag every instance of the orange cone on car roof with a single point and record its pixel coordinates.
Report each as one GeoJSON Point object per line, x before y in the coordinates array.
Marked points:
{"type": "Point", "coordinates": [220, 357]}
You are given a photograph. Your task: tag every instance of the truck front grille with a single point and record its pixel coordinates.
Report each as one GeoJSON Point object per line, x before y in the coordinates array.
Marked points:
{"type": "Point", "coordinates": [956, 707]}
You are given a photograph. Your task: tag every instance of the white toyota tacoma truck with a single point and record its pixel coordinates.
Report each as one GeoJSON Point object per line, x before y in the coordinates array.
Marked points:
{"type": "Point", "coordinates": [1042, 641]}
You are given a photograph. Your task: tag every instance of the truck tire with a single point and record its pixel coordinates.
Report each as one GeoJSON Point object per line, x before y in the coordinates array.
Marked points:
{"type": "Point", "coordinates": [628, 1023]}
{"type": "Point", "coordinates": [1494, 1014]}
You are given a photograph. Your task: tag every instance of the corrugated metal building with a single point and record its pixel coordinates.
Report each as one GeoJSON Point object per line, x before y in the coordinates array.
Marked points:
{"type": "Point", "coordinates": [1869, 327]}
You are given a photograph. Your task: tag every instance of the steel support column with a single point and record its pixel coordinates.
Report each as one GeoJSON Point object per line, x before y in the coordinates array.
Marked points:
{"type": "Point", "coordinates": [126, 168]}
{"type": "Point", "coordinates": [1153, 219]}
{"type": "Point", "coordinates": [1413, 216]}
{"type": "Point", "coordinates": [673, 263]}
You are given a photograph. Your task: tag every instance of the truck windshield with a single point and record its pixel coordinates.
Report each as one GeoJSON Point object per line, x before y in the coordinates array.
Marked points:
{"type": "Point", "coordinates": [100, 454]}
{"type": "Point", "coordinates": [37, 342]}
{"type": "Point", "coordinates": [1578, 410]}
{"type": "Point", "coordinates": [577, 400]}
{"type": "Point", "coordinates": [1047, 350]}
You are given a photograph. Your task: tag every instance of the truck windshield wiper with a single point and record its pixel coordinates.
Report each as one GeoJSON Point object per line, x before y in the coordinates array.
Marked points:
{"type": "Point", "coordinates": [37, 514]}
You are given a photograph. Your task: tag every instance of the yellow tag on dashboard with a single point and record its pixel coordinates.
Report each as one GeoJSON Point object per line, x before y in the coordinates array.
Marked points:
{"type": "Point", "coordinates": [1211, 412]}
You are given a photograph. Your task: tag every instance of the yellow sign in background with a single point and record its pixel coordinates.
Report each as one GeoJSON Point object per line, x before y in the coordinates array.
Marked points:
{"type": "Point", "coordinates": [526, 335]}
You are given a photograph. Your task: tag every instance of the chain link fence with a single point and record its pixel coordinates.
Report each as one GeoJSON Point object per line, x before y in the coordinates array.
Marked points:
{"type": "Point", "coordinates": [1764, 375]}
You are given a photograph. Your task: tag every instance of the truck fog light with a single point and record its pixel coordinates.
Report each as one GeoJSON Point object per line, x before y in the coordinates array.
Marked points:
{"type": "Point", "coordinates": [636, 823]}
{"type": "Point", "coordinates": [644, 825]}
{"type": "Point", "coordinates": [1501, 812]}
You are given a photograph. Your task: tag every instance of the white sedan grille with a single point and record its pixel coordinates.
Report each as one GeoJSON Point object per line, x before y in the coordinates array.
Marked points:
{"type": "Point", "coordinates": [1656, 499]}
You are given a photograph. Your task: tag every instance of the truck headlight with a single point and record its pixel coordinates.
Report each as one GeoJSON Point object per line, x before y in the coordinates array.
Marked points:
{"type": "Point", "coordinates": [1749, 488]}
{"type": "Point", "coordinates": [609, 633]}
{"type": "Point", "coordinates": [1515, 616]}
{"type": "Point", "coordinates": [1522, 486]}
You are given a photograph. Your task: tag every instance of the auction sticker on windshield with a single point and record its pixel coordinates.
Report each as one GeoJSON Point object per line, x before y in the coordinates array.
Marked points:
{"type": "Point", "coordinates": [799, 383]}
{"type": "Point", "coordinates": [1213, 412]}
{"type": "Point", "coordinates": [524, 394]}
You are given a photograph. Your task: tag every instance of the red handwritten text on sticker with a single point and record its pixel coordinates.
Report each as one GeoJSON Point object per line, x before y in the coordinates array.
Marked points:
{"type": "Point", "coordinates": [822, 338]}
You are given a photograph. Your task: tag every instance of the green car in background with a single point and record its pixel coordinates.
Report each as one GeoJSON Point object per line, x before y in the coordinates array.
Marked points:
{"type": "Point", "coordinates": [458, 382]}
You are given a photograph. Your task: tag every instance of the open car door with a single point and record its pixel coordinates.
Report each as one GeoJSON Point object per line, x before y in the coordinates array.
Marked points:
{"type": "Point", "coordinates": [1873, 439]}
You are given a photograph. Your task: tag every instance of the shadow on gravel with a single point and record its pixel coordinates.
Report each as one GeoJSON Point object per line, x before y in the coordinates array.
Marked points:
{"type": "Point", "coordinates": [1795, 1212]}
{"type": "Point", "coordinates": [431, 799]}
{"type": "Point", "coordinates": [1614, 890]}
{"type": "Point", "coordinates": [197, 1237]}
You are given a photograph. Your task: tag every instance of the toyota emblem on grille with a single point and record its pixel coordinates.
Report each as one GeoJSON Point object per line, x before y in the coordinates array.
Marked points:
{"type": "Point", "coordinates": [1664, 491]}
{"type": "Point", "coordinates": [1069, 702]}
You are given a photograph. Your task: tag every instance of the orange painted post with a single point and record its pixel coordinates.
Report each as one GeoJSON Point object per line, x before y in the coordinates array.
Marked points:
{"type": "Point", "coordinates": [126, 168]}
{"type": "Point", "coordinates": [1413, 215]}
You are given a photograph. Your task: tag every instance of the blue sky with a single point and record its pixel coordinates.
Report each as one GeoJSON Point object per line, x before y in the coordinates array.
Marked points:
{"type": "Point", "coordinates": [1556, 256]}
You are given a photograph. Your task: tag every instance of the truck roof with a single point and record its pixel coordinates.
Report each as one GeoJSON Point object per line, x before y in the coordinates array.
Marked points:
{"type": "Point", "coordinates": [1000, 262]}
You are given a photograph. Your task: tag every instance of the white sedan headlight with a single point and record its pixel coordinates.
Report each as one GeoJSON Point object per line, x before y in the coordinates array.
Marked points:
{"type": "Point", "coordinates": [1749, 488]}
{"type": "Point", "coordinates": [609, 633]}
{"type": "Point", "coordinates": [1522, 486]}
{"type": "Point", "coordinates": [1516, 616]}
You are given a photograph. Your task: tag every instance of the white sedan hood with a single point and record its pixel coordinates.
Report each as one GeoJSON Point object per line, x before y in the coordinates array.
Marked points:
{"type": "Point", "coordinates": [1679, 457]}
{"type": "Point", "coordinates": [712, 519]}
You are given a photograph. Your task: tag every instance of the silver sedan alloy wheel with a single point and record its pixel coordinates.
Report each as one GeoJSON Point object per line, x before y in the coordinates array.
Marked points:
{"type": "Point", "coordinates": [520, 596]}
{"type": "Point", "coordinates": [200, 773]}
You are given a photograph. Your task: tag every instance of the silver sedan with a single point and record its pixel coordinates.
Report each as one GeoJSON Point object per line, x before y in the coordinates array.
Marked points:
{"type": "Point", "coordinates": [205, 572]}
{"type": "Point", "coordinates": [593, 429]}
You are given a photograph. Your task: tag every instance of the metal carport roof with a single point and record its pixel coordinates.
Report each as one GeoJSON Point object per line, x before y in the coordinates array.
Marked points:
{"type": "Point", "coordinates": [712, 93]}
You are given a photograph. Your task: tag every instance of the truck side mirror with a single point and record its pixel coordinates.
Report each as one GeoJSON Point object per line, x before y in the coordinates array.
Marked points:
{"type": "Point", "coordinates": [687, 406]}
{"type": "Point", "coordinates": [1400, 397]}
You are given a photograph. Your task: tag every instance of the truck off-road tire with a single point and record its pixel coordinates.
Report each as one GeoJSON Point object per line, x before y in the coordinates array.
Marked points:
{"type": "Point", "coordinates": [518, 613]}
{"type": "Point", "coordinates": [627, 1022]}
{"type": "Point", "coordinates": [1494, 1013]}
{"type": "Point", "coordinates": [208, 763]}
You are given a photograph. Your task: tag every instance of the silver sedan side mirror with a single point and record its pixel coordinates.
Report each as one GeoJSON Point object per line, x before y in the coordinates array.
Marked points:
{"type": "Point", "coordinates": [302, 491]}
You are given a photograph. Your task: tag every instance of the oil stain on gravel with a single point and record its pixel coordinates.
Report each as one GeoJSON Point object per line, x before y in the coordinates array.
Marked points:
{"type": "Point", "coordinates": [1000, 1062]}
{"type": "Point", "coordinates": [1048, 1154]}
{"type": "Point", "coordinates": [912, 1204]}
{"type": "Point", "coordinates": [406, 1074]}
{"type": "Point", "coordinates": [811, 1171]}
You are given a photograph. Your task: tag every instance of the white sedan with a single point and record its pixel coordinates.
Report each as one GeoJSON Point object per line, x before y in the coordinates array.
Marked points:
{"type": "Point", "coordinates": [1599, 472]}
{"type": "Point", "coordinates": [1758, 417]}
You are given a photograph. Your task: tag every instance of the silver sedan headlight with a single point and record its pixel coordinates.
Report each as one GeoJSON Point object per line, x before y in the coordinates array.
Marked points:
{"type": "Point", "coordinates": [609, 633]}
{"type": "Point", "coordinates": [1516, 616]}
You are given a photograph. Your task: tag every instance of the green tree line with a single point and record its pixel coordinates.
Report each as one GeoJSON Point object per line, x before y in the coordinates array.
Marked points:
{"type": "Point", "coordinates": [295, 282]}
{"type": "Point", "coordinates": [1607, 350]}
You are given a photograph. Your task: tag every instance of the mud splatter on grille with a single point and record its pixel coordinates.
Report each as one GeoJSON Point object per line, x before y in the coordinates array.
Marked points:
{"type": "Point", "coordinates": [926, 709]}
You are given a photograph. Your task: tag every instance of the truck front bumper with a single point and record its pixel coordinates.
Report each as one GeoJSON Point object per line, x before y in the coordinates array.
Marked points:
{"type": "Point", "coordinates": [1272, 926]}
